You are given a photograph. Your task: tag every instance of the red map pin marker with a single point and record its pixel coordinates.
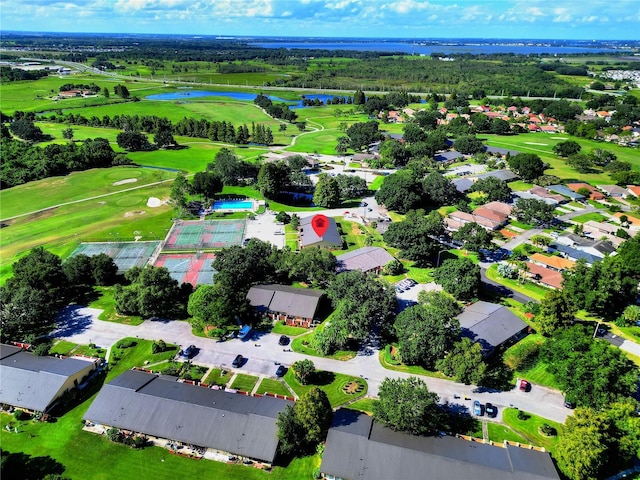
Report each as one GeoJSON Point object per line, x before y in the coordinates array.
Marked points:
{"type": "Point", "coordinates": [320, 223]}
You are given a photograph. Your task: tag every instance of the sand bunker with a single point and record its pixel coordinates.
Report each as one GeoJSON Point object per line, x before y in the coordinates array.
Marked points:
{"type": "Point", "coordinates": [535, 143]}
{"type": "Point", "coordinates": [154, 202]}
{"type": "Point", "coordinates": [136, 212]}
{"type": "Point", "coordinates": [126, 180]}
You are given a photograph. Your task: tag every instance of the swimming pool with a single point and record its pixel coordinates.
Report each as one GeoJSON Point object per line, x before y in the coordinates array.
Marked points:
{"type": "Point", "coordinates": [233, 205]}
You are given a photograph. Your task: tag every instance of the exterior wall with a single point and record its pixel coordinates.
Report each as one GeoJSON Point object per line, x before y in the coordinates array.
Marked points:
{"type": "Point", "coordinates": [73, 381]}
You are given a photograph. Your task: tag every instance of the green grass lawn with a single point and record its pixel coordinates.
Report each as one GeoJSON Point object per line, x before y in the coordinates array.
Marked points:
{"type": "Point", "coordinates": [523, 226]}
{"type": "Point", "coordinates": [107, 304]}
{"type": "Point", "coordinates": [363, 405]}
{"type": "Point", "coordinates": [244, 382]}
{"type": "Point", "coordinates": [377, 183]}
{"type": "Point", "coordinates": [499, 433]}
{"type": "Point", "coordinates": [136, 356]}
{"type": "Point", "coordinates": [331, 383]}
{"type": "Point", "coordinates": [268, 385]}
{"type": "Point", "coordinates": [288, 330]}
{"type": "Point", "coordinates": [532, 290]}
{"type": "Point", "coordinates": [216, 377]}
{"type": "Point", "coordinates": [595, 216]}
{"type": "Point", "coordinates": [63, 347]}
{"type": "Point", "coordinates": [300, 345]}
{"type": "Point", "coordinates": [388, 362]}
{"type": "Point", "coordinates": [529, 429]}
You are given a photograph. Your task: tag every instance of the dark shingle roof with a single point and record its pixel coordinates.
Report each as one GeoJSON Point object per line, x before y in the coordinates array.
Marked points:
{"type": "Point", "coordinates": [162, 407]}
{"type": "Point", "coordinates": [447, 156]}
{"type": "Point", "coordinates": [501, 151]}
{"type": "Point", "coordinates": [364, 259]}
{"type": "Point", "coordinates": [357, 447]}
{"type": "Point", "coordinates": [296, 302]}
{"type": "Point", "coordinates": [489, 324]}
{"type": "Point", "coordinates": [32, 382]}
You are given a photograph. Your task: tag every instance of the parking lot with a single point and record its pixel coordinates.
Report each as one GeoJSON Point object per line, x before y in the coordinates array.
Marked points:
{"type": "Point", "coordinates": [265, 228]}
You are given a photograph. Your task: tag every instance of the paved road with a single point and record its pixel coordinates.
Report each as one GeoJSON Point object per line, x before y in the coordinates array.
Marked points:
{"type": "Point", "coordinates": [80, 325]}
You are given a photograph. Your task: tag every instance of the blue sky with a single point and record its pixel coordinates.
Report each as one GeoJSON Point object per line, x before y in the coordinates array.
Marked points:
{"type": "Point", "coordinates": [555, 19]}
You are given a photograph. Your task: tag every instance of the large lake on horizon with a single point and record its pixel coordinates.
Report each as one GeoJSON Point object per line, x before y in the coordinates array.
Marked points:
{"type": "Point", "coordinates": [415, 48]}
{"type": "Point", "coordinates": [187, 94]}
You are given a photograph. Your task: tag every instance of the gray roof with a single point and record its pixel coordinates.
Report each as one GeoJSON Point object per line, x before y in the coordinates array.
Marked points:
{"type": "Point", "coordinates": [309, 237]}
{"type": "Point", "coordinates": [489, 324]}
{"type": "Point", "coordinates": [364, 259]}
{"type": "Point", "coordinates": [296, 302]}
{"type": "Point", "coordinates": [462, 184]}
{"type": "Point", "coordinates": [448, 156]}
{"type": "Point", "coordinates": [357, 447]}
{"type": "Point", "coordinates": [163, 407]}
{"type": "Point", "coordinates": [528, 195]}
{"type": "Point", "coordinates": [565, 191]}
{"type": "Point", "coordinates": [505, 175]}
{"type": "Point", "coordinates": [500, 151]}
{"type": "Point", "coordinates": [32, 382]}
{"type": "Point", "coordinates": [573, 253]}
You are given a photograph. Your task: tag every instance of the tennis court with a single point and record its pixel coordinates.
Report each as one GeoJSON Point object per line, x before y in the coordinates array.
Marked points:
{"type": "Point", "coordinates": [193, 268]}
{"type": "Point", "coordinates": [125, 254]}
{"type": "Point", "coordinates": [199, 235]}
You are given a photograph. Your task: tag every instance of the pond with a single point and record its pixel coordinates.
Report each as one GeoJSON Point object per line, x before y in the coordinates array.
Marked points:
{"type": "Point", "coordinates": [242, 96]}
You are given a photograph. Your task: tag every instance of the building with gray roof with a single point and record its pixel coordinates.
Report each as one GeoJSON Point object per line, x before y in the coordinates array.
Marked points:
{"type": "Point", "coordinates": [490, 325]}
{"type": "Point", "coordinates": [462, 184]}
{"type": "Point", "coordinates": [365, 259]}
{"type": "Point", "coordinates": [449, 156]}
{"type": "Point", "coordinates": [36, 383]}
{"type": "Point", "coordinates": [565, 192]}
{"type": "Point", "coordinates": [503, 152]}
{"type": "Point", "coordinates": [162, 407]}
{"type": "Point", "coordinates": [309, 238]}
{"type": "Point", "coordinates": [504, 175]}
{"type": "Point", "coordinates": [295, 306]}
{"type": "Point", "coordinates": [359, 448]}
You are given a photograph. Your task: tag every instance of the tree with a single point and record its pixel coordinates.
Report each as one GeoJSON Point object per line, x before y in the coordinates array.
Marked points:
{"type": "Point", "coordinates": [134, 141]}
{"type": "Point", "coordinates": [566, 149]}
{"type": "Point", "coordinates": [556, 311]}
{"type": "Point", "coordinates": [580, 162]}
{"type": "Point", "coordinates": [468, 144]}
{"type": "Point", "coordinates": [272, 178]}
{"type": "Point", "coordinates": [408, 405]}
{"type": "Point", "coordinates": [400, 192]}
{"type": "Point", "coordinates": [493, 188]}
{"type": "Point", "coordinates": [303, 370]}
{"type": "Point", "coordinates": [342, 146]}
{"type": "Point", "coordinates": [412, 133]}
{"type": "Point", "coordinates": [314, 413]}
{"type": "Point", "coordinates": [425, 334]}
{"type": "Point", "coordinates": [78, 270]}
{"type": "Point", "coordinates": [460, 277]}
{"type": "Point", "coordinates": [230, 168]}
{"type": "Point", "coordinates": [500, 127]}
{"type": "Point", "coordinates": [26, 130]}
{"type": "Point", "coordinates": [313, 265]}
{"type": "Point", "coordinates": [67, 133]}
{"type": "Point", "coordinates": [533, 212]}
{"type": "Point", "coordinates": [163, 138]}
{"type": "Point", "coordinates": [527, 166]}
{"type": "Point", "coordinates": [473, 237]}
{"type": "Point", "coordinates": [121, 91]}
{"type": "Point", "coordinates": [105, 92]}
{"type": "Point", "coordinates": [439, 190]}
{"type": "Point", "coordinates": [290, 432]}
{"type": "Point", "coordinates": [351, 186]}
{"type": "Point", "coordinates": [283, 217]}
{"type": "Point", "coordinates": [464, 362]}
{"type": "Point", "coordinates": [327, 193]}
{"type": "Point", "coordinates": [361, 135]}
{"type": "Point", "coordinates": [179, 190]}
{"type": "Point", "coordinates": [206, 184]}
{"type": "Point", "coordinates": [416, 235]}
{"type": "Point", "coordinates": [151, 293]}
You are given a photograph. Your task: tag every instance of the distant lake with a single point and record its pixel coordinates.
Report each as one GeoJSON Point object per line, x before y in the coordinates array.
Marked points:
{"type": "Point", "coordinates": [242, 96]}
{"type": "Point", "coordinates": [416, 48]}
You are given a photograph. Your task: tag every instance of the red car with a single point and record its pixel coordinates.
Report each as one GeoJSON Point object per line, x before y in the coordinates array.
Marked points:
{"type": "Point", "coordinates": [525, 386]}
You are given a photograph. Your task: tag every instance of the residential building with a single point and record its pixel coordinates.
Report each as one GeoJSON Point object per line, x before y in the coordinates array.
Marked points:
{"type": "Point", "coordinates": [460, 218]}
{"type": "Point", "coordinates": [36, 383]}
{"type": "Point", "coordinates": [295, 306]}
{"type": "Point", "coordinates": [614, 191]}
{"type": "Point", "coordinates": [544, 276]}
{"type": "Point", "coordinates": [490, 325]}
{"type": "Point", "coordinates": [634, 190]}
{"type": "Point", "coordinates": [505, 175]}
{"type": "Point", "coordinates": [594, 195]}
{"type": "Point", "coordinates": [357, 448]}
{"type": "Point", "coordinates": [448, 157]}
{"type": "Point", "coordinates": [365, 259]}
{"type": "Point", "coordinates": [165, 409]}
{"type": "Point", "coordinates": [566, 192]}
{"type": "Point", "coordinates": [500, 152]}
{"type": "Point", "coordinates": [553, 262]}
{"type": "Point", "coordinates": [309, 238]}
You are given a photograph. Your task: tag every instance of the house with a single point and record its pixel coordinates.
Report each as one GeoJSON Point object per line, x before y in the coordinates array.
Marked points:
{"type": "Point", "coordinates": [634, 190]}
{"type": "Point", "coordinates": [295, 306]}
{"type": "Point", "coordinates": [573, 253]}
{"type": "Point", "coordinates": [462, 184]}
{"type": "Point", "coordinates": [365, 259]}
{"type": "Point", "coordinates": [490, 325]}
{"type": "Point", "coordinates": [594, 195]}
{"type": "Point", "coordinates": [162, 408]}
{"type": "Point", "coordinates": [363, 157]}
{"type": "Point", "coordinates": [463, 217]}
{"type": "Point", "coordinates": [614, 191]}
{"type": "Point", "coordinates": [566, 192]}
{"type": "Point", "coordinates": [449, 157]}
{"type": "Point", "coordinates": [545, 276]}
{"type": "Point", "coordinates": [491, 215]}
{"type": "Point", "coordinates": [633, 222]}
{"type": "Point", "coordinates": [594, 228]}
{"type": "Point", "coordinates": [309, 238]}
{"type": "Point", "coordinates": [504, 175]}
{"type": "Point", "coordinates": [553, 262]}
{"type": "Point", "coordinates": [357, 448]}
{"type": "Point", "coordinates": [504, 209]}
{"type": "Point", "coordinates": [545, 194]}
{"type": "Point", "coordinates": [500, 152]}
{"type": "Point", "coordinates": [36, 383]}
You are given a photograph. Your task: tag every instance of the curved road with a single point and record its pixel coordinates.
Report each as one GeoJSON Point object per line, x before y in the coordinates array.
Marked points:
{"type": "Point", "coordinates": [80, 325]}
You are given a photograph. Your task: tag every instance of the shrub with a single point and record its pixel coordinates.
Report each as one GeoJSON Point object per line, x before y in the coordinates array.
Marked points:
{"type": "Point", "coordinates": [522, 355]}
{"type": "Point", "coordinates": [20, 415]}
{"type": "Point", "coordinates": [158, 347]}
{"type": "Point", "coordinates": [523, 416]}
{"type": "Point", "coordinates": [42, 350]}
{"type": "Point", "coordinates": [125, 343]}
{"type": "Point", "coordinates": [548, 430]}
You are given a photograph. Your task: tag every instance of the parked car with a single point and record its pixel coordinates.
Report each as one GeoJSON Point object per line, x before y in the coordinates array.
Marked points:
{"type": "Point", "coordinates": [189, 351]}
{"type": "Point", "coordinates": [398, 289]}
{"type": "Point", "coordinates": [492, 410]}
{"type": "Point", "coordinates": [477, 408]}
{"type": "Point", "coordinates": [569, 404]}
{"type": "Point", "coordinates": [280, 372]}
{"type": "Point", "coordinates": [238, 361]}
{"type": "Point", "coordinates": [525, 386]}
{"type": "Point", "coordinates": [284, 340]}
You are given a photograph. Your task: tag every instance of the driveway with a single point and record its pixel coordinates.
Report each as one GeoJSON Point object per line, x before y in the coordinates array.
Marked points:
{"type": "Point", "coordinates": [80, 325]}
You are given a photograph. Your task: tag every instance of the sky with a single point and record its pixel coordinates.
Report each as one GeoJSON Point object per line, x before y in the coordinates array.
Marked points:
{"type": "Point", "coordinates": [531, 19]}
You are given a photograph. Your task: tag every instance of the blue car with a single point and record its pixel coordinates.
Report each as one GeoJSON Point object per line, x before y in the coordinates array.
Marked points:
{"type": "Point", "coordinates": [477, 408]}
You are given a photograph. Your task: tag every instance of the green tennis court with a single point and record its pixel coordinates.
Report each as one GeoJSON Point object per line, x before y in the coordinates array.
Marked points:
{"type": "Point", "coordinates": [198, 234]}
{"type": "Point", "coordinates": [125, 254]}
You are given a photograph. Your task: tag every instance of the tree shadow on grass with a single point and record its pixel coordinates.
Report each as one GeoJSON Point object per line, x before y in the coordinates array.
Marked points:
{"type": "Point", "coordinates": [322, 378]}
{"type": "Point", "coordinates": [22, 465]}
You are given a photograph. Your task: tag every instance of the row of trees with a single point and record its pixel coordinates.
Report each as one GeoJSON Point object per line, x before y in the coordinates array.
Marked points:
{"type": "Point", "coordinates": [42, 284]}
{"type": "Point", "coordinates": [279, 110]}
